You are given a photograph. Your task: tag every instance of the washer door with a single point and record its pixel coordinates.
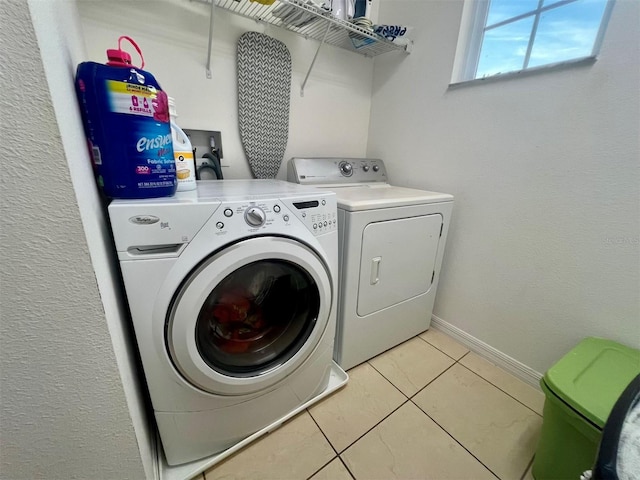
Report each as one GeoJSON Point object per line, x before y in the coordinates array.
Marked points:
{"type": "Point", "coordinates": [249, 315]}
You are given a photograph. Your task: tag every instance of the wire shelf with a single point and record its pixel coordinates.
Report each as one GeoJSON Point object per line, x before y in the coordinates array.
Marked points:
{"type": "Point", "coordinates": [312, 22]}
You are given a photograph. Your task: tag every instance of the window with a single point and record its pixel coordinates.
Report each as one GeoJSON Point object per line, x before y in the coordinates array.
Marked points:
{"type": "Point", "coordinates": [502, 36]}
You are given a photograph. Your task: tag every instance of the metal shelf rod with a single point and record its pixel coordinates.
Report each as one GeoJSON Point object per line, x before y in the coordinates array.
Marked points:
{"type": "Point", "coordinates": [314, 60]}
{"type": "Point", "coordinates": [213, 3]}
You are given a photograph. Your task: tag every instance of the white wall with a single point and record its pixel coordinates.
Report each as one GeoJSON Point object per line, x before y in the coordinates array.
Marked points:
{"type": "Point", "coordinates": [331, 119]}
{"type": "Point", "coordinates": [65, 412]}
{"type": "Point", "coordinates": [544, 245]}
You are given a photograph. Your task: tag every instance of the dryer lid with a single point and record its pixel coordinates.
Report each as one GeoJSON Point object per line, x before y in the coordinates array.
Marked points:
{"type": "Point", "coordinates": [376, 196]}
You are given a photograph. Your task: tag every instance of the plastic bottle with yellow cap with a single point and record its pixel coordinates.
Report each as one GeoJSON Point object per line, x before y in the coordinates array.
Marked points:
{"type": "Point", "coordinates": [183, 153]}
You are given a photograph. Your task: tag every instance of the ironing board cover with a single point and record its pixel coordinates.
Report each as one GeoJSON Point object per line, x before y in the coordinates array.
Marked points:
{"type": "Point", "coordinates": [264, 86]}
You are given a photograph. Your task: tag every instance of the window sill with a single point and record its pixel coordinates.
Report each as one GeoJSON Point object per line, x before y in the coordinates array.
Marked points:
{"type": "Point", "coordinates": [579, 62]}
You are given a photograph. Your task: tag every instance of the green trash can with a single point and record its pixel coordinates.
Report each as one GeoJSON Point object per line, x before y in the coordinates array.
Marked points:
{"type": "Point", "coordinates": [580, 391]}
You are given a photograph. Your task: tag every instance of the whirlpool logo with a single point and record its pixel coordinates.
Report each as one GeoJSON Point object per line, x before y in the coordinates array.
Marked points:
{"type": "Point", "coordinates": [144, 219]}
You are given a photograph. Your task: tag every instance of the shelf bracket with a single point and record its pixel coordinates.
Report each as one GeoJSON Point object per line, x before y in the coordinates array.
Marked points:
{"type": "Point", "coordinates": [304, 82]}
{"type": "Point", "coordinates": [213, 3]}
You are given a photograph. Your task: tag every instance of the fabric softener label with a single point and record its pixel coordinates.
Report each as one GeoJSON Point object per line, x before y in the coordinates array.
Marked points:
{"type": "Point", "coordinates": [147, 138]}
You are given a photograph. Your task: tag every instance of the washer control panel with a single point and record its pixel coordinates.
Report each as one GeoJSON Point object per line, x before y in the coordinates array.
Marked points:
{"type": "Point", "coordinates": [318, 214]}
{"type": "Point", "coordinates": [255, 216]}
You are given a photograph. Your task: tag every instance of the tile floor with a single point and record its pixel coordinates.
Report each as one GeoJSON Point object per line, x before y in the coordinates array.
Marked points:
{"type": "Point", "coordinates": [426, 409]}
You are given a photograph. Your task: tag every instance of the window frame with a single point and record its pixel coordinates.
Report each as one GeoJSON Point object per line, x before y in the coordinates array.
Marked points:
{"type": "Point", "coordinates": [471, 37]}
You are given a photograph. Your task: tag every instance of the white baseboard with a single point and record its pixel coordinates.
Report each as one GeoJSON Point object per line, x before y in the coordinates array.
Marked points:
{"type": "Point", "coordinates": [495, 356]}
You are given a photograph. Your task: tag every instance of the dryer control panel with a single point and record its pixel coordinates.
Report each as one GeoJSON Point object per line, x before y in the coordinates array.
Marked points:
{"type": "Point", "coordinates": [336, 171]}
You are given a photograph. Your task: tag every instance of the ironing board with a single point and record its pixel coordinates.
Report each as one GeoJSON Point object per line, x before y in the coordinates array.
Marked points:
{"type": "Point", "coordinates": [264, 86]}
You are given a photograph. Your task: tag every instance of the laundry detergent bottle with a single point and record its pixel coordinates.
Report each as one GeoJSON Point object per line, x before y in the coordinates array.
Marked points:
{"type": "Point", "coordinates": [126, 121]}
{"type": "Point", "coordinates": [182, 153]}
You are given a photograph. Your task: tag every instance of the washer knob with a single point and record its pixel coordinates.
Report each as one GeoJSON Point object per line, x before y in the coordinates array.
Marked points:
{"type": "Point", "coordinates": [346, 169]}
{"type": "Point", "coordinates": [376, 168]}
{"type": "Point", "coordinates": [365, 168]}
{"type": "Point", "coordinates": [254, 216]}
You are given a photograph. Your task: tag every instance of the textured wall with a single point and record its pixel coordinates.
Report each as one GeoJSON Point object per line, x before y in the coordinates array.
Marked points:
{"type": "Point", "coordinates": [63, 409]}
{"type": "Point", "coordinates": [544, 247]}
{"type": "Point", "coordinates": [61, 41]}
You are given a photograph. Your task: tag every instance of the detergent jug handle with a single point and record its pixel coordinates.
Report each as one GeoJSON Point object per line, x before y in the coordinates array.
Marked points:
{"type": "Point", "coordinates": [120, 58]}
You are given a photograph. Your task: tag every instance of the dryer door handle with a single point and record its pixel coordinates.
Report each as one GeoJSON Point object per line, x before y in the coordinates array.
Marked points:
{"type": "Point", "coordinates": [375, 270]}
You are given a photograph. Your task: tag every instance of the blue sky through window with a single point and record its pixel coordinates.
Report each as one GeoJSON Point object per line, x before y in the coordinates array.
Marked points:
{"type": "Point", "coordinates": [563, 33]}
{"type": "Point", "coordinates": [500, 10]}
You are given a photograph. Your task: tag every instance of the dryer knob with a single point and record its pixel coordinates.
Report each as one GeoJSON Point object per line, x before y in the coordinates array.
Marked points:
{"type": "Point", "coordinates": [376, 168]}
{"type": "Point", "coordinates": [346, 169]}
{"type": "Point", "coordinates": [255, 216]}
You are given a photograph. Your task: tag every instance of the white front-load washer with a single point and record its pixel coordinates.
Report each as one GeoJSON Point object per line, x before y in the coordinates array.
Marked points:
{"type": "Point", "coordinates": [391, 245]}
{"type": "Point", "coordinates": [232, 292]}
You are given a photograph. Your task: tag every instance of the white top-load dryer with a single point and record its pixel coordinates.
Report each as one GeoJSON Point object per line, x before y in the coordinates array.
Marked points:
{"type": "Point", "coordinates": [391, 245]}
{"type": "Point", "coordinates": [233, 299]}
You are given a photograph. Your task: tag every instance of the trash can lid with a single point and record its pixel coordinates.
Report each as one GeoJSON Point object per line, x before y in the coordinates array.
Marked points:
{"type": "Point", "coordinates": [591, 377]}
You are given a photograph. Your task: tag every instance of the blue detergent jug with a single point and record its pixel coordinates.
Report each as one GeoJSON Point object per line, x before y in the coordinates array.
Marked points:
{"type": "Point", "coordinates": [126, 121]}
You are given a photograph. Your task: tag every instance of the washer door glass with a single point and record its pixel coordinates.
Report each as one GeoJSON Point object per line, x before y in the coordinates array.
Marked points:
{"type": "Point", "coordinates": [249, 315]}
{"type": "Point", "coordinates": [257, 317]}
